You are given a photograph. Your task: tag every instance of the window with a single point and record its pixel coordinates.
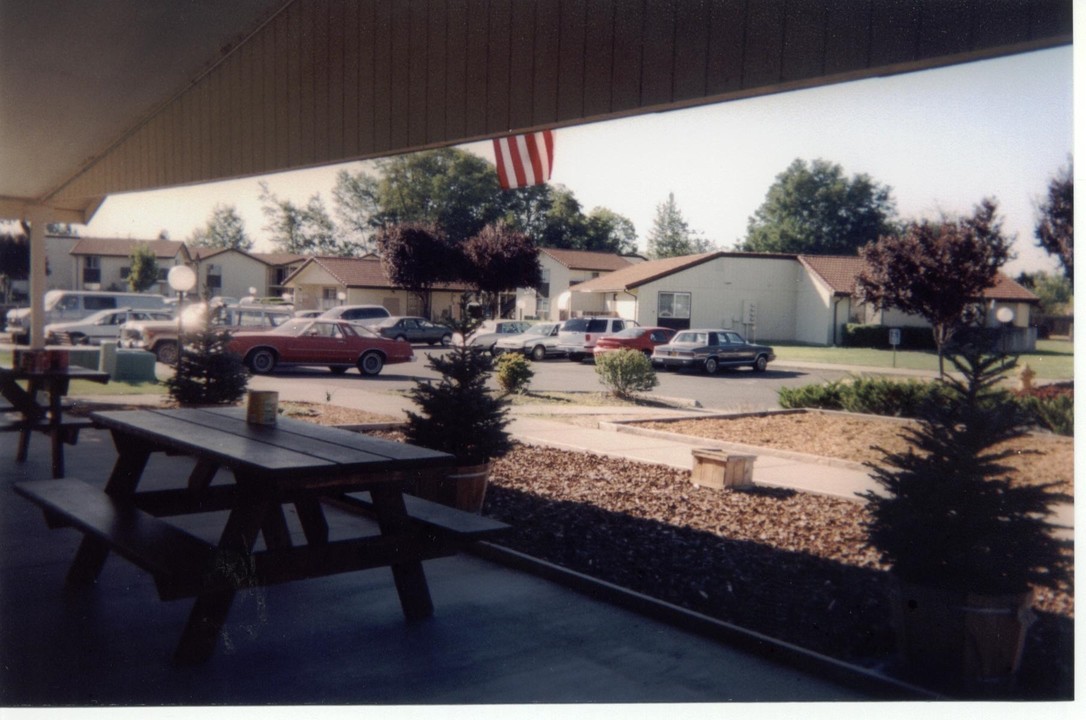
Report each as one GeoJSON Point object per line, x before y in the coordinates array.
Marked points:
{"type": "Point", "coordinates": [92, 270]}
{"type": "Point", "coordinates": [96, 303]}
{"type": "Point", "coordinates": [673, 305]}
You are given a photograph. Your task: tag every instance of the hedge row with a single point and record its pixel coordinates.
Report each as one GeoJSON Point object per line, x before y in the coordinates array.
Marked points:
{"type": "Point", "coordinates": [1054, 412]}
{"type": "Point", "coordinates": [878, 336]}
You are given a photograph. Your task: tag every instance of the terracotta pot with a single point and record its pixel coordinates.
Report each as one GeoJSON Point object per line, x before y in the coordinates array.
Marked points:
{"type": "Point", "coordinates": [960, 639]}
{"type": "Point", "coordinates": [464, 487]}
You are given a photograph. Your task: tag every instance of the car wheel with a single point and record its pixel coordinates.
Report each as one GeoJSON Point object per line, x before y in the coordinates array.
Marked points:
{"type": "Point", "coordinates": [78, 339]}
{"type": "Point", "coordinates": [262, 361]}
{"type": "Point", "coordinates": [337, 369]}
{"type": "Point", "coordinates": [494, 351]}
{"type": "Point", "coordinates": [711, 365]}
{"type": "Point", "coordinates": [371, 363]}
{"type": "Point", "coordinates": [446, 340]}
{"type": "Point", "coordinates": [576, 357]}
{"type": "Point", "coordinates": [539, 353]}
{"type": "Point", "coordinates": [400, 338]}
{"type": "Point", "coordinates": [760, 363]}
{"type": "Point", "coordinates": [166, 352]}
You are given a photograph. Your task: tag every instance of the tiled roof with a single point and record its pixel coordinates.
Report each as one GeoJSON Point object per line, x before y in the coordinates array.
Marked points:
{"type": "Point", "coordinates": [587, 260]}
{"type": "Point", "coordinates": [278, 258]}
{"type": "Point", "coordinates": [640, 273]}
{"type": "Point", "coordinates": [122, 247]}
{"type": "Point", "coordinates": [840, 272]}
{"type": "Point", "coordinates": [359, 272]}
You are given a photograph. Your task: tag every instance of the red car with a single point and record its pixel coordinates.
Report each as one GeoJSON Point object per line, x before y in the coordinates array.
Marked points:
{"type": "Point", "coordinates": [634, 338]}
{"type": "Point", "coordinates": [316, 341]}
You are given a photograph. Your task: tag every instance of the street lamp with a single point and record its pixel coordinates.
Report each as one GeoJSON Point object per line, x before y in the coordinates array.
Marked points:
{"type": "Point", "coordinates": [1005, 315]}
{"type": "Point", "coordinates": [182, 279]}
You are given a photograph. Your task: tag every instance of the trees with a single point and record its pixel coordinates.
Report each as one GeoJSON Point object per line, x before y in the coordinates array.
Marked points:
{"type": "Point", "coordinates": [671, 235]}
{"type": "Point", "coordinates": [224, 229]}
{"type": "Point", "coordinates": [816, 209]}
{"type": "Point", "coordinates": [14, 260]}
{"type": "Point", "coordinates": [142, 268]}
{"type": "Point", "coordinates": [302, 230]}
{"type": "Point", "coordinates": [1055, 229]}
{"type": "Point", "coordinates": [416, 257]}
{"type": "Point", "coordinates": [500, 259]}
{"type": "Point", "coordinates": [936, 269]}
{"type": "Point", "coordinates": [1054, 290]}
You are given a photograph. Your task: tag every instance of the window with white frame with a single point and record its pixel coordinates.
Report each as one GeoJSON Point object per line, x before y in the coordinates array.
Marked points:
{"type": "Point", "coordinates": [673, 305]}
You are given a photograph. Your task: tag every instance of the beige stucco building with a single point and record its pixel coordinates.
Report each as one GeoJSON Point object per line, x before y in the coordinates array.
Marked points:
{"type": "Point", "coordinates": [767, 297]}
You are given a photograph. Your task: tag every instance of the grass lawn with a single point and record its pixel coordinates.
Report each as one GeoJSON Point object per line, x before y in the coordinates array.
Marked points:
{"type": "Point", "coordinates": [1053, 359]}
{"type": "Point", "coordinates": [86, 387]}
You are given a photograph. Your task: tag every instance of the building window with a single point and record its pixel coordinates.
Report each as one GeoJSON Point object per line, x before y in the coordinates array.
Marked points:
{"type": "Point", "coordinates": [673, 305]}
{"type": "Point", "coordinates": [92, 270]}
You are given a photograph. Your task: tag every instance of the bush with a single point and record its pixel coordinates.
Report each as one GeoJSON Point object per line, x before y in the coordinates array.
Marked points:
{"type": "Point", "coordinates": [625, 372]}
{"type": "Point", "coordinates": [874, 396]}
{"type": "Point", "coordinates": [514, 373]}
{"type": "Point", "coordinates": [1054, 412]}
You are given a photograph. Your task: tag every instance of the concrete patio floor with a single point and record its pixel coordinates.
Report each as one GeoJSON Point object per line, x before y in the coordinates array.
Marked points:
{"type": "Point", "coordinates": [499, 634]}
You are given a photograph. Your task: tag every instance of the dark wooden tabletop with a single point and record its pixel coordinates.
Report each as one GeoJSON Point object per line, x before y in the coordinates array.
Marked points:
{"type": "Point", "coordinates": [289, 450]}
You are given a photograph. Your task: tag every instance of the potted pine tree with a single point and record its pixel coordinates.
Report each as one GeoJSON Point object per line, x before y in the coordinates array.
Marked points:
{"type": "Point", "coordinates": [459, 416]}
{"type": "Point", "coordinates": [966, 545]}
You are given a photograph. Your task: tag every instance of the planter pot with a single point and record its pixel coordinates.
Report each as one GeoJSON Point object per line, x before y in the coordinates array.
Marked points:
{"type": "Point", "coordinates": [960, 639]}
{"type": "Point", "coordinates": [463, 488]}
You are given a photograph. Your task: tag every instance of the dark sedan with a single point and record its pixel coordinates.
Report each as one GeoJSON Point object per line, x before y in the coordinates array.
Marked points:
{"type": "Point", "coordinates": [710, 350]}
{"type": "Point", "coordinates": [412, 329]}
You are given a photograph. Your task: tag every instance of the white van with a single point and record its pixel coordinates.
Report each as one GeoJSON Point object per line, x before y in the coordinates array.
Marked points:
{"type": "Point", "coordinates": [68, 305]}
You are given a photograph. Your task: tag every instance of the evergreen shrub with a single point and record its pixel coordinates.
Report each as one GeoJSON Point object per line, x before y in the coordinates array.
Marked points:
{"type": "Point", "coordinates": [625, 372]}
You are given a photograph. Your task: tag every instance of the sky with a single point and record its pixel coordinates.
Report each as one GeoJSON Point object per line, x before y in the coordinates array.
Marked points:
{"type": "Point", "coordinates": [940, 139]}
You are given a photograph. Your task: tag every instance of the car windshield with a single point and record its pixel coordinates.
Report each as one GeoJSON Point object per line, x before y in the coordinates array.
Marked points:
{"type": "Point", "coordinates": [539, 330]}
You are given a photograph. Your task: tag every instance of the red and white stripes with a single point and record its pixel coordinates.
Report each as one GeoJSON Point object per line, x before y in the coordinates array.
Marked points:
{"type": "Point", "coordinates": [524, 160]}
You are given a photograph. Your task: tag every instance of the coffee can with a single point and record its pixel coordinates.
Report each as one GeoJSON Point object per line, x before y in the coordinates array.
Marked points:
{"type": "Point", "coordinates": [263, 407]}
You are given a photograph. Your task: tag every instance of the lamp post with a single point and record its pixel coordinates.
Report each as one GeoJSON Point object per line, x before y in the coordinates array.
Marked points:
{"type": "Point", "coordinates": [182, 279]}
{"type": "Point", "coordinates": [1005, 316]}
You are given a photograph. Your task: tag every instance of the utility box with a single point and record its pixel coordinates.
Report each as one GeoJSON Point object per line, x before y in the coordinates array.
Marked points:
{"type": "Point", "coordinates": [718, 469]}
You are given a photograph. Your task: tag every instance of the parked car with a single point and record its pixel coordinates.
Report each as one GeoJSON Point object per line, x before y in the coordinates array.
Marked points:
{"type": "Point", "coordinates": [644, 339]}
{"type": "Point", "coordinates": [160, 336]}
{"type": "Point", "coordinates": [710, 350]}
{"type": "Point", "coordinates": [308, 313]}
{"type": "Point", "coordinates": [491, 331]}
{"type": "Point", "coordinates": [412, 329]}
{"type": "Point", "coordinates": [578, 336]}
{"type": "Point", "coordinates": [68, 305]}
{"type": "Point", "coordinates": [538, 342]}
{"type": "Point", "coordinates": [318, 341]}
{"type": "Point", "coordinates": [364, 314]}
{"type": "Point", "coordinates": [103, 325]}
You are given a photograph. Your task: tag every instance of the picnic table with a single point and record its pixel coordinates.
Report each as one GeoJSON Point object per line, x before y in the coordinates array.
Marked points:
{"type": "Point", "coordinates": [291, 462]}
{"type": "Point", "coordinates": [49, 417]}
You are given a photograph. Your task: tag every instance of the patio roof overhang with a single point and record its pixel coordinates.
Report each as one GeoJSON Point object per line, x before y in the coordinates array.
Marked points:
{"type": "Point", "coordinates": [123, 95]}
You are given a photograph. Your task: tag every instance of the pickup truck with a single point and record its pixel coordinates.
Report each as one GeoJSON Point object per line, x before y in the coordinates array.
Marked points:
{"type": "Point", "coordinates": [160, 336]}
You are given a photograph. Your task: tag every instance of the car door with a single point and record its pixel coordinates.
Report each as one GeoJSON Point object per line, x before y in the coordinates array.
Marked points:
{"type": "Point", "coordinates": [737, 350]}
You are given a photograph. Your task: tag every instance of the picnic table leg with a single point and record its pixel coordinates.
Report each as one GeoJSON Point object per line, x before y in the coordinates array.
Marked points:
{"type": "Point", "coordinates": [92, 553]}
{"type": "Point", "coordinates": [409, 577]}
{"type": "Point", "coordinates": [233, 570]}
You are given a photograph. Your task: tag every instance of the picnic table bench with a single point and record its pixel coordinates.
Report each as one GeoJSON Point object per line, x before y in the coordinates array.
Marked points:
{"type": "Point", "coordinates": [292, 462]}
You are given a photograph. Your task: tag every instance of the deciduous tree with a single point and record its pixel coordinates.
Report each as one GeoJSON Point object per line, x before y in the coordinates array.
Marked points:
{"type": "Point", "coordinates": [816, 209]}
{"type": "Point", "coordinates": [417, 257]}
{"type": "Point", "coordinates": [1055, 230]}
{"type": "Point", "coordinates": [142, 268]}
{"type": "Point", "coordinates": [937, 269]}
{"type": "Point", "coordinates": [224, 229]}
{"type": "Point", "coordinates": [500, 259]}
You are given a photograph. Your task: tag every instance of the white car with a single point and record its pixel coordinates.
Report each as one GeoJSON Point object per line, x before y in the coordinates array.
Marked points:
{"type": "Point", "coordinates": [491, 331]}
{"type": "Point", "coordinates": [99, 327]}
{"type": "Point", "coordinates": [577, 337]}
{"type": "Point", "coordinates": [538, 342]}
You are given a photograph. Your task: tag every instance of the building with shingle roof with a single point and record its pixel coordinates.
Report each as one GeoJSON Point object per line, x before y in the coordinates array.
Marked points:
{"type": "Point", "coordinates": [766, 296]}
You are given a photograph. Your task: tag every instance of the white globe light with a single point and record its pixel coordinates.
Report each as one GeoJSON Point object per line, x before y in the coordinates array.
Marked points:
{"type": "Point", "coordinates": [181, 278]}
{"type": "Point", "coordinates": [1004, 314]}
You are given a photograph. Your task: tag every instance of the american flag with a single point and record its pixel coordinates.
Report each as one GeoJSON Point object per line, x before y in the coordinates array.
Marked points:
{"type": "Point", "coordinates": [524, 160]}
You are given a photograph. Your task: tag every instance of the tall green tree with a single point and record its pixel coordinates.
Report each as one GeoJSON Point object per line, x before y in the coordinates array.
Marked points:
{"type": "Point", "coordinates": [301, 229]}
{"type": "Point", "coordinates": [815, 209]}
{"type": "Point", "coordinates": [938, 270]}
{"type": "Point", "coordinates": [671, 235]}
{"type": "Point", "coordinates": [142, 268]}
{"type": "Point", "coordinates": [607, 231]}
{"type": "Point", "coordinates": [451, 188]}
{"type": "Point", "coordinates": [1054, 290]}
{"type": "Point", "coordinates": [224, 229]}
{"type": "Point", "coordinates": [1055, 230]}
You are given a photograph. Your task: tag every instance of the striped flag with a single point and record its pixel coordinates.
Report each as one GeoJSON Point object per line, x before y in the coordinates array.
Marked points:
{"type": "Point", "coordinates": [524, 160]}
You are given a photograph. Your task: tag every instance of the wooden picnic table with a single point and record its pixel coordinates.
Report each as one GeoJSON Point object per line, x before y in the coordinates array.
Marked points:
{"type": "Point", "coordinates": [49, 417]}
{"type": "Point", "coordinates": [292, 462]}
